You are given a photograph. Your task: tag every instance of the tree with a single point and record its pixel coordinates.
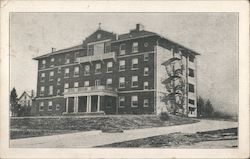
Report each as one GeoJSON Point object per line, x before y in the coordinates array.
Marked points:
{"type": "Point", "coordinates": [200, 106]}
{"type": "Point", "coordinates": [13, 102]}
{"type": "Point", "coordinates": [208, 109]}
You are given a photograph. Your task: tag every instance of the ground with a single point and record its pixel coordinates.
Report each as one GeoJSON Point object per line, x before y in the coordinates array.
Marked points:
{"type": "Point", "coordinates": [178, 133]}
{"type": "Point", "coordinates": [43, 126]}
{"type": "Point", "coordinates": [224, 138]}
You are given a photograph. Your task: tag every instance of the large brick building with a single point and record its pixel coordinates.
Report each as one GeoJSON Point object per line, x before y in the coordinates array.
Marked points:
{"type": "Point", "coordinates": [114, 74]}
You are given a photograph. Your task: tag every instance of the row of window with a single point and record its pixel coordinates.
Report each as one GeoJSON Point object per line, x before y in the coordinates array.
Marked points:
{"type": "Point", "coordinates": [50, 106]}
{"type": "Point", "coordinates": [97, 83]}
{"type": "Point", "coordinates": [108, 85]}
{"type": "Point", "coordinates": [99, 48]}
{"type": "Point", "coordinates": [66, 61]}
{"type": "Point", "coordinates": [134, 101]}
{"type": "Point", "coordinates": [97, 69]}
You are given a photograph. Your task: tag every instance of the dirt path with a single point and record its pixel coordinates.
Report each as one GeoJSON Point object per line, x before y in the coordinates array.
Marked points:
{"type": "Point", "coordinates": [97, 138]}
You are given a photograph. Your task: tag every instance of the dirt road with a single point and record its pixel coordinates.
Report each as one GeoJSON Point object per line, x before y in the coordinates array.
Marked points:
{"type": "Point", "coordinates": [97, 138]}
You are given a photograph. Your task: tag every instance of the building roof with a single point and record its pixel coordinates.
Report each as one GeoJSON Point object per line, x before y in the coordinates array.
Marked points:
{"type": "Point", "coordinates": [24, 93]}
{"type": "Point", "coordinates": [137, 33]}
{"type": "Point", "coordinates": [73, 48]}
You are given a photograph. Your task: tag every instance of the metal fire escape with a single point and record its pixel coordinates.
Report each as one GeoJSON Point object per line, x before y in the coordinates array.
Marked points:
{"type": "Point", "coordinates": [175, 84]}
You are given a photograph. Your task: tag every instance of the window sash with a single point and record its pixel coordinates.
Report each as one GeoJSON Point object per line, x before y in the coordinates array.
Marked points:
{"type": "Point", "coordinates": [146, 56]}
{"type": "Point", "coordinates": [145, 103]}
{"type": "Point", "coordinates": [121, 101]}
{"type": "Point", "coordinates": [135, 47]}
{"type": "Point", "coordinates": [146, 71]}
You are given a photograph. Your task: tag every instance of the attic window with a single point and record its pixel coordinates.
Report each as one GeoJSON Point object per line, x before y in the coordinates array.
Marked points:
{"type": "Point", "coordinates": [99, 36]}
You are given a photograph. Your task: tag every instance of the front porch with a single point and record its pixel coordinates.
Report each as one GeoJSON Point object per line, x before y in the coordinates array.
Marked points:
{"type": "Point", "coordinates": [90, 100]}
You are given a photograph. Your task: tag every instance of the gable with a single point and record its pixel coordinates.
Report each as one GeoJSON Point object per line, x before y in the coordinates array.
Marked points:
{"type": "Point", "coordinates": [100, 35]}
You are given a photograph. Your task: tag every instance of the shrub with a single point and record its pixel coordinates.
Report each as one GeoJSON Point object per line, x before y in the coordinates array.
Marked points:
{"type": "Point", "coordinates": [164, 116]}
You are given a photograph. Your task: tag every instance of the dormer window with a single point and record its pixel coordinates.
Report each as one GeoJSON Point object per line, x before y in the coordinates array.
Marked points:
{"type": "Point", "coordinates": [99, 36]}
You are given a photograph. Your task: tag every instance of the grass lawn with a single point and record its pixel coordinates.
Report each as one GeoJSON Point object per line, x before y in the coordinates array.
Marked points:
{"type": "Point", "coordinates": [184, 140]}
{"type": "Point", "coordinates": [40, 126]}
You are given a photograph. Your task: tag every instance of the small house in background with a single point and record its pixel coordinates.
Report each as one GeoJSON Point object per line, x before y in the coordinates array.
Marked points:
{"type": "Point", "coordinates": [25, 102]}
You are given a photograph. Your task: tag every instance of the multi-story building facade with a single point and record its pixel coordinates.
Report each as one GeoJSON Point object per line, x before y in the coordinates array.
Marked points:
{"type": "Point", "coordinates": [111, 74]}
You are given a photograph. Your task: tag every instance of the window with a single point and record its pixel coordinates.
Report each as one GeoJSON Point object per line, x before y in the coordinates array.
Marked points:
{"type": "Point", "coordinates": [145, 85]}
{"type": "Point", "coordinates": [43, 63]}
{"type": "Point", "coordinates": [191, 58]}
{"type": "Point", "coordinates": [134, 101]}
{"type": "Point", "coordinates": [42, 77]}
{"type": "Point", "coordinates": [66, 87]}
{"type": "Point", "coordinates": [49, 105]}
{"type": "Point", "coordinates": [145, 103]}
{"type": "Point", "coordinates": [52, 60]}
{"type": "Point", "coordinates": [66, 72]}
{"type": "Point", "coordinates": [191, 101]}
{"type": "Point", "coordinates": [76, 85]}
{"type": "Point", "coordinates": [135, 47]}
{"type": "Point", "coordinates": [122, 49]}
{"type": "Point", "coordinates": [146, 56]}
{"type": "Point", "coordinates": [67, 58]}
{"type": "Point", "coordinates": [41, 90]}
{"type": "Point", "coordinates": [121, 101]}
{"type": "Point", "coordinates": [58, 81]}
{"type": "Point", "coordinates": [51, 75]}
{"type": "Point", "coordinates": [97, 82]}
{"type": "Point", "coordinates": [86, 83]}
{"type": "Point", "coordinates": [191, 87]}
{"type": "Point", "coordinates": [90, 50]}
{"type": "Point", "coordinates": [99, 36]}
{"type": "Point", "coordinates": [76, 71]}
{"type": "Point", "coordinates": [98, 48]}
{"type": "Point", "coordinates": [86, 70]}
{"type": "Point", "coordinates": [107, 47]}
{"type": "Point", "coordinates": [58, 93]}
{"type": "Point", "coordinates": [145, 71]}
{"type": "Point", "coordinates": [135, 63]}
{"type": "Point", "coordinates": [57, 106]}
{"type": "Point", "coordinates": [191, 72]}
{"type": "Point", "coordinates": [98, 68]}
{"type": "Point", "coordinates": [134, 81]}
{"type": "Point", "coordinates": [122, 82]}
{"type": "Point", "coordinates": [50, 90]}
{"type": "Point", "coordinates": [77, 58]}
{"type": "Point", "coordinates": [59, 70]}
{"type": "Point", "coordinates": [146, 44]}
{"type": "Point", "coordinates": [41, 106]}
{"type": "Point", "coordinates": [109, 83]}
{"type": "Point", "coordinates": [122, 65]}
{"type": "Point", "coordinates": [109, 66]}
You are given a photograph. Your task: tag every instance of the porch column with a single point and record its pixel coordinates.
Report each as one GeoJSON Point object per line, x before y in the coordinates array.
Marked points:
{"type": "Point", "coordinates": [67, 105]}
{"type": "Point", "coordinates": [75, 104]}
{"type": "Point", "coordinates": [98, 103]}
{"type": "Point", "coordinates": [87, 107]}
{"type": "Point", "coordinates": [89, 104]}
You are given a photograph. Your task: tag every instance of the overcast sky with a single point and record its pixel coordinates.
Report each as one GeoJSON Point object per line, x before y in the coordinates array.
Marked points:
{"type": "Point", "coordinates": [213, 35]}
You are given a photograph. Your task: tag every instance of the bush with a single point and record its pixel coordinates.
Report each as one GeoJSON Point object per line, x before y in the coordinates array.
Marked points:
{"type": "Point", "coordinates": [164, 116]}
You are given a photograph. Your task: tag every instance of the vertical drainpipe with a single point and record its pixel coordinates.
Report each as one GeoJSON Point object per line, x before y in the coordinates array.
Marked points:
{"type": "Point", "coordinates": [155, 76]}
{"type": "Point", "coordinates": [187, 84]}
{"type": "Point", "coordinates": [196, 93]}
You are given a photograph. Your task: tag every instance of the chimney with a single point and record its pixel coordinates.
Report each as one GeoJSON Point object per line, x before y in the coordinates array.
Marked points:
{"type": "Point", "coordinates": [139, 27]}
{"type": "Point", "coordinates": [53, 49]}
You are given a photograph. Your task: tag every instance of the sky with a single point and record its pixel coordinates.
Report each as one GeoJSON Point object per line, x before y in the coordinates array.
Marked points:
{"type": "Point", "coordinates": [213, 35]}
